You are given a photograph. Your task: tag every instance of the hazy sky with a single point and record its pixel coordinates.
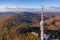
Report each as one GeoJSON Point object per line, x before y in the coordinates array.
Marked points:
{"type": "Point", "coordinates": [30, 3]}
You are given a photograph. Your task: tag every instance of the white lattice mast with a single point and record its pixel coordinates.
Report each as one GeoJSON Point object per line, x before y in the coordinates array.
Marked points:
{"type": "Point", "coordinates": [42, 23]}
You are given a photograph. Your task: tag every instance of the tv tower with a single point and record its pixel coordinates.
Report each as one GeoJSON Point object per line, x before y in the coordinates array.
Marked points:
{"type": "Point", "coordinates": [42, 23]}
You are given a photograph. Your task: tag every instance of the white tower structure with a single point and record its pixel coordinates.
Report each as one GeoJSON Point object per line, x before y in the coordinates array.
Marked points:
{"type": "Point", "coordinates": [42, 23]}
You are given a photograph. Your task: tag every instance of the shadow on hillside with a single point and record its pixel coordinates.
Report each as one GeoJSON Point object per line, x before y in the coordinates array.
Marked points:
{"type": "Point", "coordinates": [30, 29]}
{"type": "Point", "coordinates": [37, 30]}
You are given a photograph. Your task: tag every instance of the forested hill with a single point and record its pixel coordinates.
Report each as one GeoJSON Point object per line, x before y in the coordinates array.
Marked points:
{"type": "Point", "coordinates": [14, 24]}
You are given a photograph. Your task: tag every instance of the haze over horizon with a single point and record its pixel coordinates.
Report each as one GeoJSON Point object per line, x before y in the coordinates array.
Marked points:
{"type": "Point", "coordinates": [16, 5]}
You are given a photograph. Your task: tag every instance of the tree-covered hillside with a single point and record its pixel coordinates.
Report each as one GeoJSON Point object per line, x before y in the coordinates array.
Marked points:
{"type": "Point", "coordinates": [19, 26]}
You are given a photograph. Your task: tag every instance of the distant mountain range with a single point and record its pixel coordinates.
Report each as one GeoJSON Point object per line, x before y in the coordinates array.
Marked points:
{"type": "Point", "coordinates": [17, 9]}
{"type": "Point", "coordinates": [20, 9]}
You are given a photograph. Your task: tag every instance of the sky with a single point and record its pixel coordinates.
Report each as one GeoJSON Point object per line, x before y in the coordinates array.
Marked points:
{"type": "Point", "coordinates": [48, 4]}
{"type": "Point", "coordinates": [21, 3]}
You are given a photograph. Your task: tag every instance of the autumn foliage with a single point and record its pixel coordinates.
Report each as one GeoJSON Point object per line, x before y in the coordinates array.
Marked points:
{"type": "Point", "coordinates": [19, 26]}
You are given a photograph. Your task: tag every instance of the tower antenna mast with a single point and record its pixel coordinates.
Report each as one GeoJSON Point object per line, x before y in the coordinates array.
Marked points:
{"type": "Point", "coordinates": [42, 23]}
